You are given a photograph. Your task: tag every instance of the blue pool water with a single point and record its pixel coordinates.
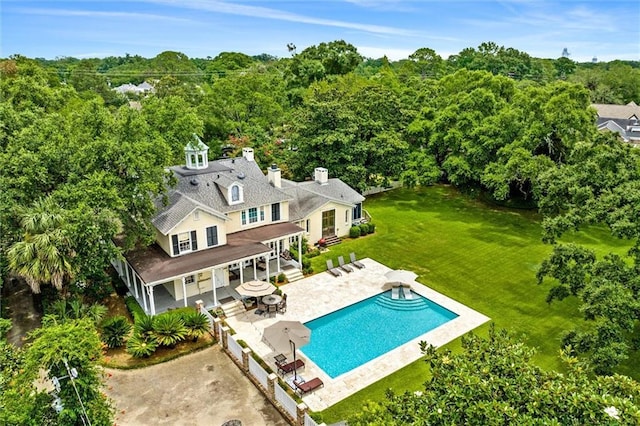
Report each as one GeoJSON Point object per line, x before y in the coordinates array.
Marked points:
{"type": "Point", "coordinates": [352, 336]}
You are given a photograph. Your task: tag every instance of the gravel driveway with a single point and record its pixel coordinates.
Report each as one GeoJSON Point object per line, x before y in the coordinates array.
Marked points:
{"type": "Point", "coordinates": [204, 388]}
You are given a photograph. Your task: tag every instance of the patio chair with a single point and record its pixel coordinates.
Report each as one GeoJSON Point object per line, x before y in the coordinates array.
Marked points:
{"type": "Point", "coordinates": [261, 309]}
{"type": "Point", "coordinates": [331, 269]}
{"type": "Point", "coordinates": [395, 293]}
{"type": "Point", "coordinates": [407, 292]}
{"type": "Point", "coordinates": [286, 255]}
{"type": "Point", "coordinates": [355, 262]}
{"type": "Point", "coordinates": [272, 309]}
{"type": "Point", "coordinates": [290, 366]}
{"type": "Point", "coordinates": [282, 306]}
{"type": "Point", "coordinates": [343, 265]}
{"type": "Point", "coordinates": [308, 386]}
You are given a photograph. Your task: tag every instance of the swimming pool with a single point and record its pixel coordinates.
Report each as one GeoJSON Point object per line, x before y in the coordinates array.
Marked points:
{"type": "Point", "coordinates": [352, 336]}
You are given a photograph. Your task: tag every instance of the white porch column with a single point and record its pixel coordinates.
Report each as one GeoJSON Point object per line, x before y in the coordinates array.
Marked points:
{"type": "Point", "coordinates": [242, 272]}
{"type": "Point", "coordinates": [151, 301]}
{"type": "Point", "coordinates": [300, 250]}
{"type": "Point", "coordinates": [267, 280]}
{"type": "Point", "coordinates": [144, 299]}
{"type": "Point", "coordinates": [278, 255]}
{"type": "Point", "coordinates": [128, 276]}
{"type": "Point", "coordinates": [213, 287]}
{"type": "Point", "coordinates": [184, 290]}
{"type": "Point", "coordinates": [255, 270]}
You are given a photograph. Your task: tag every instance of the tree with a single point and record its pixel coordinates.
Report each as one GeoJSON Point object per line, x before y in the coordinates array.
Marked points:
{"type": "Point", "coordinates": [494, 381]}
{"type": "Point", "coordinates": [598, 185]}
{"type": "Point", "coordinates": [352, 126]}
{"type": "Point", "coordinates": [55, 349]}
{"type": "Point", "coordinates": [44, 254]}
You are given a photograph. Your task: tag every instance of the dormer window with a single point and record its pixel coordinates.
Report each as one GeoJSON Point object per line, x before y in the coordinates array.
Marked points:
{"type": "Point", "coordinates": [235, 193]}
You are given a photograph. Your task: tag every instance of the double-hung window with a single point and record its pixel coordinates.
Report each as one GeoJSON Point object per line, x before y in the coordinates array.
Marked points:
{"type": "Point", "coordinates": [275, 212]}
{"type": "Point", "coordinates": [253, 215]}
{"type": "Point", "coordinates": [184, 242]}
{"type": "Point", "coordinates": [212, 236]}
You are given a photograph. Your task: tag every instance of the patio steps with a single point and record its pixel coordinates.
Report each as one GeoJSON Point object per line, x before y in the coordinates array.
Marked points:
{"type": "Point", "coordinates": [293, 274]}
{"type": "Point", "coordinates": [233, 308]}
{"type": "Point", "coordinates": [332, 240]}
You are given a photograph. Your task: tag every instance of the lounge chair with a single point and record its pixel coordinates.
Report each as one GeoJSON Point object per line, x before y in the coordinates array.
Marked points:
{"type": "Point", "coordinates": [407, 292]}
{"type": "Point", "coordinates": [395, 292]}
{"type": "Point", "coordinates": [354, 262]}
{"type": "Point", "coordinates": [331, 269]}
{"type": "Point", "coordinates": [343, 265]}
{"type": "Point", "coordinates": [290, 366]}
{"type": "Point", "coordinates": [308, 386]}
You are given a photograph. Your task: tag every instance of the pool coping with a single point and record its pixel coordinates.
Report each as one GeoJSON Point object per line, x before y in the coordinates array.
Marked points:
{"type": "Point", "coordinates": [322, 294]}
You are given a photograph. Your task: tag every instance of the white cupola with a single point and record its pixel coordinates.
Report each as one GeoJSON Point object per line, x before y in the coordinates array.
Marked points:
{"type": "Point", "coordinates": [196, 154]}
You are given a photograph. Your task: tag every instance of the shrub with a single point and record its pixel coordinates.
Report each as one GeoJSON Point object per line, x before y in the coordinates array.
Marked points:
{"type": "Point", "coordinates": [134, 307]}
{"type": "Point", "coordinates": [141, 347]}
{"type": "Point", "coordinates": [197, 325]}
{"type": "Point", "coordinates": [169, 330]}
{"type": "Point", "coordinates": [5, 326]}
{"type": "Point", "coordinates": [313, 253]}
{"type": "Point", "coordinates": [281, 278]}
{"type": "Point", "coordinates": [364, 228]}
{"type": "Point", "coordinates": [145, 325]}
{"type": "Point", "coordinates": [372, 227]}
{"type": "Point", "coordinates": [354, 232]}
{"type": "Point", "coordinates": [114, 331]}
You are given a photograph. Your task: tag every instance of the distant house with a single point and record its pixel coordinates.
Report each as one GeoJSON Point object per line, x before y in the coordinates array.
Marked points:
{"type": "Point", "coordinates": [141, 88]}
{"type": "Point", "coordinates": [227, 222]}
{"type": "Point", "coordinates": [622, 119]}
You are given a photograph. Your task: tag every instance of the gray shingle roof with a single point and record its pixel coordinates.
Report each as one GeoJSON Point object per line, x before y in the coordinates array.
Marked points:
{"type": "Point", "coordinates": [617, 111]}
{"type": "Point", "coordinates": [204, 187]}
{"type": "Point", "coordinates": [310, 195]}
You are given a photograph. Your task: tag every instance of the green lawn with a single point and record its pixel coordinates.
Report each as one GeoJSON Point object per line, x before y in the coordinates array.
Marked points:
{"type": "Point", "coordinates": [481, 255]}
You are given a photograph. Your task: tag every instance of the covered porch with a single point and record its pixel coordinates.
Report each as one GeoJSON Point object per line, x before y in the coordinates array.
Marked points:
{"type": "Point", "coordinates": [160, 282]}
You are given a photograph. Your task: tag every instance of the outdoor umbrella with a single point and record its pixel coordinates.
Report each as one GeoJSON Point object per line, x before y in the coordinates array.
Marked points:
{"type": "Point", "coordinates": [255, 288]}
{"type": "Point", "coordinates": [284, 334]}
{"type": "Point", "coordinates": [401, 276]}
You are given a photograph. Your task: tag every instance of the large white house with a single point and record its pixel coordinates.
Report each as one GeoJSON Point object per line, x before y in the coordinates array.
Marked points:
{"type": "Point", "coordinates": [225, 222]}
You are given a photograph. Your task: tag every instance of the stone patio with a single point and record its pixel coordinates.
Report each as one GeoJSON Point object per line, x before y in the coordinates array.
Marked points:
{"type": "Point", "coordinates": [323, 293]}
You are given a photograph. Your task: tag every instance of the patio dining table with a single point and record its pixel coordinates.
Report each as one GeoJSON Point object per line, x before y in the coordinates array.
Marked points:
{"type": "Point", "coordinates": [272, 299]}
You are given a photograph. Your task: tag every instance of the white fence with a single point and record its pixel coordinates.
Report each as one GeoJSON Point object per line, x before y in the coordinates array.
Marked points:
{"type": "Point", "coordinates": [268, 383]}
{"type": "Point", "coordinates": [308, 421]}
{"type": "Point", "coordinates": [258, 372]}
{"type": "Point", "coordinates": [235, 349]}
{"type": "Point", "coordinates": [286, 401]}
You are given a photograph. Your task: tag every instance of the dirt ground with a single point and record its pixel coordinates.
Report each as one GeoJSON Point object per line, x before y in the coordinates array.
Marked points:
{"type": "Point", "coordinates": [19, 303]}
{"type": "Point", "coordinates": [204, 388]}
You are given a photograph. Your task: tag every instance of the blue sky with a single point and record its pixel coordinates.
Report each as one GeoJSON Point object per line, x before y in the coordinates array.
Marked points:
{"type": "Point", "coordinates": [396, 28]}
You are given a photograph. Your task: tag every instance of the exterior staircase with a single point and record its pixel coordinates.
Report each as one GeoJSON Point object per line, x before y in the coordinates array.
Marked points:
{"type": "Point", "coordinates": [332, 240]}
{"type": "Point", "coordinates": [293, 274]}
{"type": "Point", "coordinates": [233, 308]}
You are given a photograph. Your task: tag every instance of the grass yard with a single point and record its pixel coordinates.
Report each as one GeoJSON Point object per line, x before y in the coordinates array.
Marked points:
{"type": "Point", "coordinates": [481, 255]}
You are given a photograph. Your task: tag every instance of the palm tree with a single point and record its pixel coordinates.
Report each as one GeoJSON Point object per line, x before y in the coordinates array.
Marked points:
{"type": "Point", "coordinates": [45, 252]}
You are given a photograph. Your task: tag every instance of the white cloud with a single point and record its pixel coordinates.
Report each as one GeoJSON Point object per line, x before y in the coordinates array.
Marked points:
{"type": "Point", "coordinates": [97, 14]}
{"type": "Point", "coordinates": [268, 13]}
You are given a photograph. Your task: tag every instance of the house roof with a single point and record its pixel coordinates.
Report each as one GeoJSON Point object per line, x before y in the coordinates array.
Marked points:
{"type": "Point", "coordinates": [155, 266]}
{"type": "Point", "coordinates": [205, 187]}
{"type": "Point", "coordinates": [308, 196]}
{"type": "Point", "coordinates": [617, 111]}
{"type": "Point", "coordinates": [629, 130]}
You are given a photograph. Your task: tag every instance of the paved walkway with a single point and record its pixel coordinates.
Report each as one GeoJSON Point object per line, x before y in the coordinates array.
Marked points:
{"type": "Point", "coordinates": [323, 293]}
{"type": "Point", "coordinates": [204, 388]}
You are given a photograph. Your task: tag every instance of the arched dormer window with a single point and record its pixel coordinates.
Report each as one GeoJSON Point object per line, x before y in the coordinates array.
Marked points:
{"type": "Point", "coordinates": [235, 194]}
